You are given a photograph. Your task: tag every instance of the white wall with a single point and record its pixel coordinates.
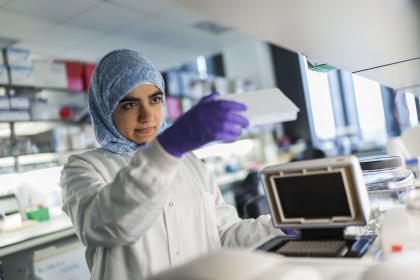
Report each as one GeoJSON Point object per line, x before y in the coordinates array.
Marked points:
{"type": "Point", "coordinates": [250, 60]}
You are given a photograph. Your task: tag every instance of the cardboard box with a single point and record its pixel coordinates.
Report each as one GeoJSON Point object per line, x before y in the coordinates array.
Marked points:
{"type": "Point", "coordinates": [18, 57]}
{"type": "Point", "coordinates": [88, 69]}
{"type": "Point", "coordinates": [74, 74]}
{"type": "Point", "coordinates": [4, 75]}
{"type": "Point", "coordinates": [48, 73]}
{"type": "Point", "coordinates": [22, 76]}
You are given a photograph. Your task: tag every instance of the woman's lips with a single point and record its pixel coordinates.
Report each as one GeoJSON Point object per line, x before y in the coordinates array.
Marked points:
{"type": "Point", "coordinates": [147, 130]}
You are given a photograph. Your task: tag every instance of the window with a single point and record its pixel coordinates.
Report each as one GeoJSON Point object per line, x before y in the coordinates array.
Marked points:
{"type": "Point", "coordinates": [370, 110]}
{"type": "Point", "coordinates": [347, 112]}
{"type": "Point", "coordinates": [406, 111]}
{"type": "Point", "coordinates": [320, 104]}
{"type": "Point", "coordinates": [202, 67]}
{"type": "Point", "coordinates": [410, 100]}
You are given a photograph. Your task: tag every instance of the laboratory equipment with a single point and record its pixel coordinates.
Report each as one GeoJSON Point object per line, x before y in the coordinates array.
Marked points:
{"type": "Point", "coordinates": [308, 193]}
{"type": "Point", "coordinates": [400, 233]}
{"type": "Point", "coordinates": [239, 265]}
{"type": "Point", "coordinates": [389, 185]}
{"type": "Point", "coordinates": [412, 164]}
{"type": "Point", "coordinates": [322, 198]}
{"type": "Point", "coordinates": [10, 216]}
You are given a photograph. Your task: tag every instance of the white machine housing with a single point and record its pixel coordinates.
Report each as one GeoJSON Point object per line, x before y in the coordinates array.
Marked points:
{"type": "Point", "coordinates": [350, 185]}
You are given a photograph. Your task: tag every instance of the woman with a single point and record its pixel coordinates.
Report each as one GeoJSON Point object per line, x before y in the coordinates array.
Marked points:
{"type": "Point", "coordinates": [142, 202]}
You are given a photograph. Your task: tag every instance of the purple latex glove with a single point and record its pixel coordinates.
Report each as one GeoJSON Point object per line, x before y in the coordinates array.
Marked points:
{"type": "Point", "coordinates": [291, 231]}
{"type": "Point", "coordinates": [209, 120]}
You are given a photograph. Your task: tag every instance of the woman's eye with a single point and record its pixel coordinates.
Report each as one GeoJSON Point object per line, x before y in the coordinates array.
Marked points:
{"type": "Point", "coordinates": [129, 105]}
{"type": "Point", "coordinates": [156, 100]}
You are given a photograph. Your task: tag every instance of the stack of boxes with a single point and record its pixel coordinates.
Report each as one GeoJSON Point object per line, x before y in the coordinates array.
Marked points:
{"type": "Point", "coordinates": [14, 108]}
{"type": "Point", "coordinates": [4, 76]}
{"type": "Point", "coordinates": [49, 74]}
{"type": "Point", "coordinates": [87, 74]}
{"type": "Point", "coordinates": [78, 75]}
{"type": "Point", "coordinates": [65, 74]}
{"type": "Point", "coordinates": [19, 64]}
{"type": "Point", "coordinates": [16, 69]}
{"type": "Point", "coordinates": [74, 75]}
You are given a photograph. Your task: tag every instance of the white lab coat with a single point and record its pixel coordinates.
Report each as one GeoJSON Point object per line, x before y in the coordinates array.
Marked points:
{"type": "Point", "coordinates": [141, 213]}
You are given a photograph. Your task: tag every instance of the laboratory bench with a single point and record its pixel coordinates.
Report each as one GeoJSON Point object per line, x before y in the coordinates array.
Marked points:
{"type": "Point", "coordinates": [43, 250]}
{"type": "Point", "coordinates": [35, 234]}
{"type": "Point", "coordinates": [35, 243]}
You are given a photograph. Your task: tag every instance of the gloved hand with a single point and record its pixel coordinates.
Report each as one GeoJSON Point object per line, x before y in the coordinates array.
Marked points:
{"type": "Point", "coordinates": [209, 120]}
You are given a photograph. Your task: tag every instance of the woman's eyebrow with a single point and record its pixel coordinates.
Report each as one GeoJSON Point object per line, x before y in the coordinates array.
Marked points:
{"type": "Point", "coordinates": [153, 95]}
{"type": "Point", "coordinates": [128, 99]}
{"type": "Point", "coordinates": [156, 94]}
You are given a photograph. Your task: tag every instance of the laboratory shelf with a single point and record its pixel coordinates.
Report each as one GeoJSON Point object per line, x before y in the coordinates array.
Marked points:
{"type": "Point", "coordinates": [43, 120]}
{"type": "Point", "coordinates": [37, 89]}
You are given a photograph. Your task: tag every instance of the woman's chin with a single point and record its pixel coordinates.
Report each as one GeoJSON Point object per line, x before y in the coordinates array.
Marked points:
{"type": "Point", "coordinates": [142, 140]}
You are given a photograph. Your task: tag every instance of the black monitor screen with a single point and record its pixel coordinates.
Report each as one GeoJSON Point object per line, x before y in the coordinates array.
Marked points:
{"type": "Point", "coordinates": [313, 196]}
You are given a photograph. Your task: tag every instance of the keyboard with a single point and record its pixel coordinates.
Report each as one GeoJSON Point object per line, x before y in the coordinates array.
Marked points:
{"type": "Point", "coordinates": [314, 248]}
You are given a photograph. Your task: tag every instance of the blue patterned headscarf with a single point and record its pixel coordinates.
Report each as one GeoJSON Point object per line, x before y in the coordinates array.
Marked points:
{"type": "Point", "coordinates": [116, 74]}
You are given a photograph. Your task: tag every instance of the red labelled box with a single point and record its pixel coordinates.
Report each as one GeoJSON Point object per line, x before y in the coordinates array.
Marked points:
{"type": "Point", "coordinates": [74, 73]}
{"type": "Point", "coordinates": [87, 74]}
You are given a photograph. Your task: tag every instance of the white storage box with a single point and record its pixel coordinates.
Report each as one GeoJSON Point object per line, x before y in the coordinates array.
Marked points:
{"type": "Point", "coordinates": [4, 76]}
{"type": "Point", "coordinates": [18, 57]}
{"type": "Point", "coordinates": [41, 110]}
{"type": "Point", "coordinates": [4, 103]}
{"type": "Point", "coordinates": [22, 76]}
{"type": "Point", "coordinates": [14, 116]}
{"type": "Point", "coordinates": [19, 102]}
{"type": "Point", "coordinates": [49, 73]}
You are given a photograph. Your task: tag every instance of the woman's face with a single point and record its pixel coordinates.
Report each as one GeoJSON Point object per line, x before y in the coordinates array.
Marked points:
{"type": "Point", "coordinates": [138, 115]}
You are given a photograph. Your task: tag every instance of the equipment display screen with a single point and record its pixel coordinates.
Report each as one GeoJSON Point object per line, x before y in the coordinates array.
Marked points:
{"type": "Point", "coordinates": [316, 196]}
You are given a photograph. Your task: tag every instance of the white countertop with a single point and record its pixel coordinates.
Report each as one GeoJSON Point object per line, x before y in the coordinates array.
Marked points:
{"type": "Point", "coordinates": [34, 235]}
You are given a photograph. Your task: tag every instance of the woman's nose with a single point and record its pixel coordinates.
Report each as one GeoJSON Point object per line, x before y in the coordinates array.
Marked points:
{"type": "Point", "coordinates": [145, 114]}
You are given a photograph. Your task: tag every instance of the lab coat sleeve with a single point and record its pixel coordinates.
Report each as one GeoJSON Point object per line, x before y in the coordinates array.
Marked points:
{"type": "Point", "coordinates": [118, 212]}
{"type": "Point", "coordinates": [234, 231]}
